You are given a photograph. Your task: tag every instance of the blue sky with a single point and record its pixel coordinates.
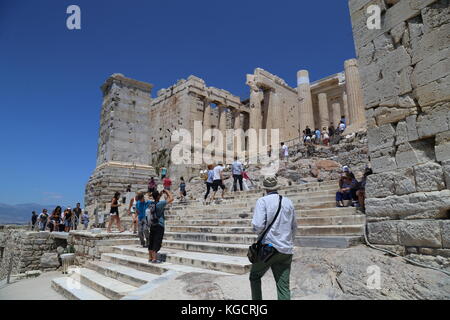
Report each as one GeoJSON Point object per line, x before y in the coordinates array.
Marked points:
{"type": "Point", "coordinates": [50, 76]}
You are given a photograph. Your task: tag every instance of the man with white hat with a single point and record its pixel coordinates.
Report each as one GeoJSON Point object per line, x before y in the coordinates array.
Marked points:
{"type": "Point", "coordinates": [280, 236]}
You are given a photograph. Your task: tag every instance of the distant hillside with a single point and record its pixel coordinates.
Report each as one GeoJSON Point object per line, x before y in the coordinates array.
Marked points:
{"type": "Point", "coordinates": [21, 213]}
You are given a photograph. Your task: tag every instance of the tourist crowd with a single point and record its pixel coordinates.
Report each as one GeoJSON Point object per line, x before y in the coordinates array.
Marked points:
{"type": "Point", "coordinates": [59, 220]}
{"type": "Point", "coordinates": [326, 136]}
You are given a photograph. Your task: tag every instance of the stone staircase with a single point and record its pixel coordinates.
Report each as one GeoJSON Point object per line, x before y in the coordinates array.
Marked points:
{"type": "Point", "coordinates": [210, 239]}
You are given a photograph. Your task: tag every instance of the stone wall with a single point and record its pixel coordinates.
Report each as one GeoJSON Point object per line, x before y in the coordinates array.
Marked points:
{"type": "Point", "coordinates": [29, 250]}
{"type": "Point", "coordinates": [405, 75]}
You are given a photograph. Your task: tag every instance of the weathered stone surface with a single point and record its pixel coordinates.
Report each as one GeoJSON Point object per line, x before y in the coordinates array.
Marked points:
{"type": "Point", "coordinates": [442, 148]}
{"type": "Point", "coordinates": [445, 232]}
{"type": "Point", "coordinates": [383, 232]}
{"type": "Point", "coordinates": [383, 160]}
{"type": "Point", "coordinates": [327, 165]}
{"type": "Point", "coordinates": [446, 169]}
{"type": "Point", "coordinates": [420, 233]}
{"type": "Point", "coordinates": [429, 177]}
{"type": "Point", "coordinates": [391, 183]}
{"type": "Point", "coordinates": [435, 121]}
{"type": "Point", "coordinates": [434, 204]}
{"type": "Point", "coordinates": [413, 153]}
{"type": "Point", "coordinates": [49, 260]}
{"type": "Point", "coordinates": [401, 133]}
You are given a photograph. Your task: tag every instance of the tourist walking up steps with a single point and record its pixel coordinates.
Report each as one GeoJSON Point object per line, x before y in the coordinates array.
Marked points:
{"type": "Point", "coordinates": [218, 181]}
{"type": "Point", "coordinates": [143, 223]}
{"type": "Point", "coordinates": [152, 186]}
{"type": "Point", "coordinates": [163, 172]}
{"type": "Point", "coordinates": [183, 192]}
{"type": "Point", "coordinates": [237, 168]}
{"type": "Point", "coordinates": [280, 237]}
{"type": "Point", "coordinates": [157, 208]}
{"type": "Point", "coordinates": [114, 213]}
{"type": "Point", "coordinates": [209, 180]}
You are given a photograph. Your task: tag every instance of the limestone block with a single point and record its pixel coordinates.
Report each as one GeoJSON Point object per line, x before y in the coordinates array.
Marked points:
{"type": "Point", "coordinates": [434, 121]}
{"type": "Point", "coordinates": [389, 114]}
{"type": "Point", "coordinates": [430, 42]}
{"type": "Point", "coordinates": [397, 32]}
{"type": "Point", "coordinates": [413, 153]}
{"type": "Point", "coordinates": [49, 260]}
{"type": "Point", "coordinates": [416, 205]}
{"type": "Point", "coordinates": [442, 148]}
{"type": "Point", "coordinates": [381, 137]}
{"type": "Point", "coordinates": [429, 177]}
{"type": "Point", "coordinates": [383, 45]}
{"type": "Point", "coordinates": [412, 128]}
{"type": "Point", "coordinates": [434, 92]}
{"type": "Point", "coordinates": [446, 169]}
{"type": "Point", "coordinates": [425, 233]}
{"type": "Point", "coordinates": [431, 68]}
{"type": "Point", "coordinates": [383, 232]}
{"type": "Point", "coordinates": [435, 15]}
{"type": "Point", "coordinates": [401, 133]}
{"type": "Point", "coordinates": [383, 160]}
{"type": "Point", "coordinates": [385, 184]}
{"type": "Point", "coordinates": [445, 232]}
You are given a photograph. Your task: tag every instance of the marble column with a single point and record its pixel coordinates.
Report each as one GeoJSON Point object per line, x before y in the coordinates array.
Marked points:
{"type": "Point", "coordinates": [237, 119]}
{"type": "Point", "coordinates": [336, 107]}
{"type": "Point", "coordinates": [206, 115]}
{"type": "Point", "coordinates": [346, 112]}
{"type": "Point", "coordinates": [354, 93]}
{"type": "Point", "coordinates": [222, 119]}
{"type": "Point", "coordinates": [324, 115]}
{"type": "Point", "coordinates": [306, 115]}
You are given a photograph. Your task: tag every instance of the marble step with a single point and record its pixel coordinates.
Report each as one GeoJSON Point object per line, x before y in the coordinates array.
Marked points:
{"type": "Point", "coordinates": [236, 204]}
{"type": "Point", "coordinates": [332, 220]}
{"type": "Point", "coordinates": [208, 247]}
{"type": "Point", "coordinates": [210, 261]}
{"type": "Point", "coordinates": [74, 290]}
{"type": "Point", "coordinates": [331, 230]}
{"type": "Point", "coordinates": [233, 214]}
{"type": "Point", "coordinates": [109, 287]}
{"type": "Point", "coordinates": [124, 274]}
{"type": "Point", "coordinates": [246, 239]}
{"type": "Point", "coordinates": [142, 264]}
{"type": "Point", "coordinates": [209, 229]}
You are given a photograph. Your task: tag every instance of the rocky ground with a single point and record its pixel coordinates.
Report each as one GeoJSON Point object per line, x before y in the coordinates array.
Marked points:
{"type": "Point", "coordinates": [322, 274]}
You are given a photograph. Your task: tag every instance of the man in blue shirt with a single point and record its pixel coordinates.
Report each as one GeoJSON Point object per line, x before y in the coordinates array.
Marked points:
{"type": "Point", "coordinates": [143, 223]}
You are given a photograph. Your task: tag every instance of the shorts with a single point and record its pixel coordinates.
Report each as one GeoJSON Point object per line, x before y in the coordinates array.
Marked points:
{"type": "Point", "coordinates": [68, 223]}
{"type": "Point", "coordinates": [156, 237]}
{"type": "Point", "coordinates": [151, 190]}
{"type": "Point", "coordinates": [167, 188]}
{"type": "Point", "coordinates": [216, 184]}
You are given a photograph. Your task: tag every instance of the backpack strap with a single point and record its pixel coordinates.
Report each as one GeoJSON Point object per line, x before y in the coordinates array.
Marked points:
{"type": "Point", "coordinates": [261, 237]}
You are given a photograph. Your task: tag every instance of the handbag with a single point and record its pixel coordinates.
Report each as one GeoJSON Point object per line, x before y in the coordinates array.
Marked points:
{"type": "Point", "coordinates": [259, 252]}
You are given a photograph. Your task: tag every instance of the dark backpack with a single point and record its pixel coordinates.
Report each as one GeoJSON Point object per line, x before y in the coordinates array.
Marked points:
{"type": "Point", "coordinates": [152, 217]}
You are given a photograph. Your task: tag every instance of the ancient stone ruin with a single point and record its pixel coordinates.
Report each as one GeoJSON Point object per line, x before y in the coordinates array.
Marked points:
{"type": "Point", "coordinates": [136, 129]}
{"type": "Point", "coordinates": [404, 69]}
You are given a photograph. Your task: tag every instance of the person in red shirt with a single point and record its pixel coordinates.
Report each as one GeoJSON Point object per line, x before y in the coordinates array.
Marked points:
{"type": "Point", "coordinates": [167, 183]}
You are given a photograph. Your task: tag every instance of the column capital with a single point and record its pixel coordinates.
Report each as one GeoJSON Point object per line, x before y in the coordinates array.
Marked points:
{"type": "Point", "coordinates": [350, 63]}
